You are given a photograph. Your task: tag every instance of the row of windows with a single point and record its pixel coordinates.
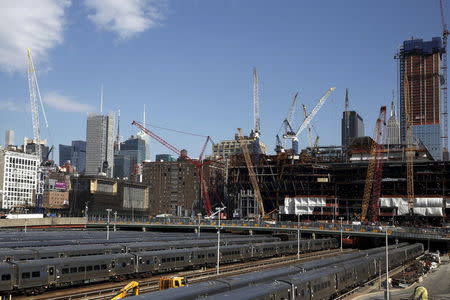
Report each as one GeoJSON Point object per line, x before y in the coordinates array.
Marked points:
{"type": "Point", "coordinates": [22, 161]}
{"type": "Point", "coordinates": [234, 252]}
{"type": "Point", "coordinates": [34, 274]}
{"type": "Point", "coordinates": [320, 286]}
{"type": "Point", "coordinates": [84, 269]}
{"type": "Point", "coordinates": [169, 259]}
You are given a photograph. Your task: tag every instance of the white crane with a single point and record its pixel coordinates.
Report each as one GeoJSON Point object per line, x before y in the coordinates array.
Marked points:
{"type": "Point", "coordinates": [256, 120]}
{"type": "Point", "coordinates": [35, 96]}
{"type": "Point", "coordinates": [287, 124]}
{"type": "Point", "coordinates": [307, 120]}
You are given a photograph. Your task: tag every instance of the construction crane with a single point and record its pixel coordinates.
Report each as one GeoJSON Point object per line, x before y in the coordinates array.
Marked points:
{"type": "Point", "coordinates": [409, 146]}
{"type": "Point", "coordinates": [35, 97]}
{"type": "Point", "coordinates": [376, 144]}
{"type": "Point", "coordinates": [198, 164]}
{"type": "Point", "coordinates": [310, 136]}
{"type": "Point", "coordinates": [287, 124]}
{"type": "Point", "coordinates": [202, 152]}
{"type": "Point", "coordinates": [307, 121]}
{"type": "Point", "coordinates": [251, 173]}
{"type": "Point", "coordinates": [445, 33]}
{"type": "Point", "coordinates": [256, 132]}
{"type": "Point", "coordinates": [123, 292]}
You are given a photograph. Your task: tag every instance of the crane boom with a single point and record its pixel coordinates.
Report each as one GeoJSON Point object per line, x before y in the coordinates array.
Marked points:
{"type": "Point", "coordinates": [313, 113]}
{"type": "Point", "coordinates": [251, 173]}
{"type": "Point", "coordinates": [291, 112]}
{"type": "Point", "coordinates": [310, 137]}
{"type": "Point", "coordinates": [256, 120]}
{"type": "Point", "coordinates": [372, 161]}
{"type": "Point", "coordinates": [202, 152]}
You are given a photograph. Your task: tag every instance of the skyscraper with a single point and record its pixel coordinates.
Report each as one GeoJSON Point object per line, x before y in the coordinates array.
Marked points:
{"type": "Point", "coordinates": [352, 124]}
{"type": "Point", "coordinates": [393, 128]}
{"type": "Point", "coordinates": [79, 155]}
{"type": "Point", "coordinates": [100, 144]}
{"type": "Point", "coordinates": [420, 78]}
{"type": "Point", "coordinates": [9, 137]}
{"type": "Point", "coordinates": [65, 154]}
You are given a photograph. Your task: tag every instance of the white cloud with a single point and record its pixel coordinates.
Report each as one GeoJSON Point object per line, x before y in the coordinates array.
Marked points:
{"type": "Point", "coordinates": [64, 103]}
{"type": "Point", "coordinates": [37, 25]}
{"type": "Point", "coordinates": [9, 105]}
{"type": "Point", "coordinates": [125, 18]}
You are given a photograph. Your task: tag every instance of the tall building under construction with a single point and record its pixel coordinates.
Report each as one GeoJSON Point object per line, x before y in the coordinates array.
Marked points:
{"type": "Point", "coordinates": [420, 79]}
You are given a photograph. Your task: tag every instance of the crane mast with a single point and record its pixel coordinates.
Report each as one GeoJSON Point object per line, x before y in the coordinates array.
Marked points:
{"type": "Point", "coordinates": [256, 120]}
{"type": "Point", "coordinates": [376, 145]}
{"type": "Point", "coordinates": [35, 97]}
{"type": "Point", "coordinates": [251, 173]}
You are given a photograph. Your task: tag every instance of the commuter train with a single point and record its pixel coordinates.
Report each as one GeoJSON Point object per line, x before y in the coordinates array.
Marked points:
{"type": "Point", "coordinates": [326, 280]}
{"type": "Point", "coordinates": [35, 276]}
{"type": "Point", "coordinates": [30, 253]}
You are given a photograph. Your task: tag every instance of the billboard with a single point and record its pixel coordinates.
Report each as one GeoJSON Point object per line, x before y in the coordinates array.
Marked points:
{"type": "Point", "coordinates": [60, 185]}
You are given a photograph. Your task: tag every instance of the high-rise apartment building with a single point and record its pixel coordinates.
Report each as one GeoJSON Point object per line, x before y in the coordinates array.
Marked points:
{"type": "Point", "coordinates": [9, 137]}
{"type": "Point", "coordinates": [18, 178]}
{"type": "Point", "coordinates": [352, 126]}
{"type": "Point", "coordinates": [420, 82]}
{"type": "Point", "coordinates": [100, 144]}
{"type": "Point", "coordinates": [393, 128]}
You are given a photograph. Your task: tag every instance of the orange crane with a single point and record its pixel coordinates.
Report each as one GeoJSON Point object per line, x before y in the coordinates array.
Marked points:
{"type": "Point", "coordinates": [198, 164]}
{"type": "Point", "coordinates": [251, 173]}
{"type": "Point", "coordinates": [378, 132]}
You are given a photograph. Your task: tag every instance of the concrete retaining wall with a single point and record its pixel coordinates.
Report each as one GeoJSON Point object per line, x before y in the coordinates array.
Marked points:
{"type": "Point", "coordinates": [47, 222]}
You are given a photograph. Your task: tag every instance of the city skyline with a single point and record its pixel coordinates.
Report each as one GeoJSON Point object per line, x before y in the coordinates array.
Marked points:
{"type": "Point", "coordinates": [177, 67]}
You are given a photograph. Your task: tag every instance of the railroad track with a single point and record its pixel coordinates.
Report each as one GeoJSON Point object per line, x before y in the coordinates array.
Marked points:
{"type": "Point", "coordinates": [150, 284]}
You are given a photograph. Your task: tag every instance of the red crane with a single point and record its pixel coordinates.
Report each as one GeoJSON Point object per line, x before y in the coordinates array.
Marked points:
{"type": "Point", "coordinates": [198, 164]}
{"type": "Point", "coordinates": [379, 163]}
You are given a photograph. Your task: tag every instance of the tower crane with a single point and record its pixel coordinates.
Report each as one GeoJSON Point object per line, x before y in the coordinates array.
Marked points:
{"type": "Point", "coordinates": [307, 121]}
{"type": "Point", "coordinates": [376, 145]}
{"type": "Point", "coordinates": [256, 132]}
{"type": "Point", "coordinates": [310, 136]}
{"type": "Point", "coordinates": [445, 33]}
{"type": "Point", "coordinates": [251, 173]}
{"type": "Point", "coordinates": [35, 97]}
{"type": "Point", "coordinates": [198, 164]}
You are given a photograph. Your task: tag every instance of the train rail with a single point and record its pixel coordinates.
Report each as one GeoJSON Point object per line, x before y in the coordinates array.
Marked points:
{"type": "Point", "coordinates": [150, 284]}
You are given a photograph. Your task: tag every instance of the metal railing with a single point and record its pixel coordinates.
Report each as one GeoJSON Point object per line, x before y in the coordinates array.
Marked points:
{"type": "Point", "coordinates": [412, 232]}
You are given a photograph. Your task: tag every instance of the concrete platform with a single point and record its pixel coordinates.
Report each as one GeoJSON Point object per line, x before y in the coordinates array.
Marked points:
{"type": "Point", "coordinates": [44, 223]}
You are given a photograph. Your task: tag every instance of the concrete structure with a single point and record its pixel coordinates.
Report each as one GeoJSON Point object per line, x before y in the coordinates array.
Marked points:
{"type": "Point", "coordinates": [352, 126]}
{"type": "Point", "coordinates": [9, 137]}
{"type": "Point", "coordinates": [29, 146]}
{"type": "Point", "coordinates": [99, 193]}
{"type": "Point", "coordinates": [164, 158]}
{"type": "Point", "coordinates": [18, 178]}
{"type": "Point", "coordinates": [420, 65]}
{"type": "Point", "coordinates": [100, 144]}
{"type": "Point", "coordinates": [174, 187]}
{"type": "Point", "coordinates": [393, 128]}
{"type": "Point", "coordinates": [228, 148]}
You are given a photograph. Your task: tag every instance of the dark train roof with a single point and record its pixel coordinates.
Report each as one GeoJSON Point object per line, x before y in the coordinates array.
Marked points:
{"type": "Point", "coordinates": [69, 260]}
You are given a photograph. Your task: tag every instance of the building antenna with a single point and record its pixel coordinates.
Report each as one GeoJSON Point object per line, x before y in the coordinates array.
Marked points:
{"type": "Point", "coordinates": [118, 131]}
{"type": "Point", "coordinates": [101, 99]}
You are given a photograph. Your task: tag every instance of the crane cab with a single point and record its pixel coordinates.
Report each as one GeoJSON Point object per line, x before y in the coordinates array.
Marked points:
{"type": "Point", "coordinates": [171, 282]}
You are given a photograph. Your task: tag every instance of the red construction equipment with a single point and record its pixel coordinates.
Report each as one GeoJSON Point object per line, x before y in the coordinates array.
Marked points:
{"type": "Point", "coordinates": [379, 163]}
{"type": "Point", "coordinates": [371, 170]}
{"type": "Point", "coordinates": [198, 164]}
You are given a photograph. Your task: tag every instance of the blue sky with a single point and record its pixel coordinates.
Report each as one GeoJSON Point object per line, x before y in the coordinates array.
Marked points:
{"type": "Point", "coordinates": [190, 62]}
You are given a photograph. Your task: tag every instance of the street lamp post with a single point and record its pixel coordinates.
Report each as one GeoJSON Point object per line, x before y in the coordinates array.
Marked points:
{"type": "Point", "coordinates": [199, 215]}
{"type": "Point", "coordinates": [107, 223]}
{"type": "Point", "coordinates": [340, 218]}
{"type": "Point", "coordinates": [218, 211]}
{"type": "Point", "coordinates": [115, 220]}
{"type": "Point", "coordinates": [387, 266]}
{"type": "Point", "coordinates": [298, 236]}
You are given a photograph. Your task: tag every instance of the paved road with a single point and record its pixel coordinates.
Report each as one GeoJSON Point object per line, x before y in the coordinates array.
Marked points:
{"type": "Point", "coordinates": [437, 284]}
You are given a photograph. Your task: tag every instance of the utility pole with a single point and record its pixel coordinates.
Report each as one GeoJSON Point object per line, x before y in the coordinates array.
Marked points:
{"type": "Point", "coordinates": [199, 215]}
{"type": "Point", "coordinates": [115, 220]}
{"type": "Point", "coordinates": [387, 266]}
{"type": "Point", "coordinates": [340, 218]}
{"type": "Point", "coordinates": [218, 210]}
{"type": "Point", "coordinates": [107, 223]}
{"type": "Point", "coordinates": [298, 236]}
